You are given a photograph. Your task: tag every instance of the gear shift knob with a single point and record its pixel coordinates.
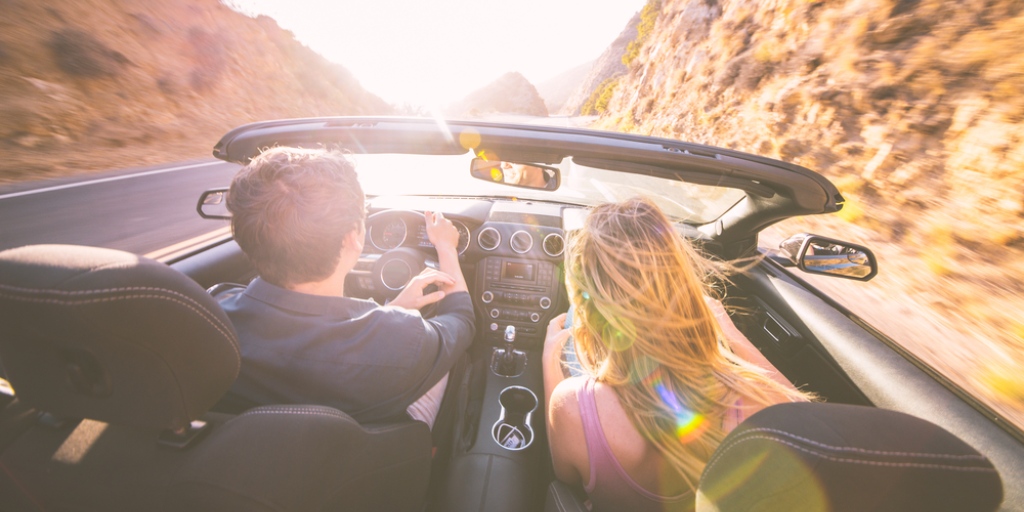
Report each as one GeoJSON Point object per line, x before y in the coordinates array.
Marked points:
{"type": "Point", "coordinates": [509, 359]}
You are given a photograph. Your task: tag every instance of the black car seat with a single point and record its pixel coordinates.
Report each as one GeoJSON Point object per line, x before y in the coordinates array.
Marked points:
{"type": "Point", "coordinates": [120, 357]}
{"type": "Point", "coordinates": [816, 457]}
{"type": "Point", "coordinates": [845, 458]}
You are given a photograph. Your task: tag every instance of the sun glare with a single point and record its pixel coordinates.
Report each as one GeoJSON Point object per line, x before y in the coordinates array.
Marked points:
{"type": "Point", "coordinates": [433, 53]}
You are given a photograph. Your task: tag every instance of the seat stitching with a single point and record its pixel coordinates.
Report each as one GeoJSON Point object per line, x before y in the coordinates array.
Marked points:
{"type": "Point", "coordinates": [558, 500]}
{"type": "Point", "coordinates": [231, 341]}
{"type": "Point", "coordinates": [110, 290]}
{"type": "Point", "coordinates": [302, 413]}
{"type": "Point", "coordinates": [862, 450]}
{"type": "Point", "coordinates": [312, 413]}
{"type": "Point", "coordinates": [297, 410]}
{"type": "Point", "coordinates": [853, 461]}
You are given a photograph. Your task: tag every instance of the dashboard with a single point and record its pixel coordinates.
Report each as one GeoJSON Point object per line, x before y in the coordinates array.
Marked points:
{"type": "Point", "coordinates": [510, 251]}
{"type": "Point", "coordinates": [511, 255]}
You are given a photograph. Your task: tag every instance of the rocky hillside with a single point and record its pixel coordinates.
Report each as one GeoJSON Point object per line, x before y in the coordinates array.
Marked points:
{"type": "Point", "coordinates": [511, 93]}
{"type": "Point", "coordinates": [100, 84]}
{"type": "Point", "coordinates": [914, 108]}
{"type": "Point", "coordinates": [556, 90]}
{"type": "Point", "coordinates": [607, 67]}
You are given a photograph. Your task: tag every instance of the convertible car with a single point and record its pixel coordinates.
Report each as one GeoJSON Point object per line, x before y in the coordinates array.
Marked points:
{"type": "Point", "coordinates": [120, 365]}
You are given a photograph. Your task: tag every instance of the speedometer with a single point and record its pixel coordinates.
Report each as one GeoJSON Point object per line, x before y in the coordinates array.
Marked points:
{"type": "Point", "coordinates": [388, 236]}
{"type": "Point", "coordinates": [463, 236]}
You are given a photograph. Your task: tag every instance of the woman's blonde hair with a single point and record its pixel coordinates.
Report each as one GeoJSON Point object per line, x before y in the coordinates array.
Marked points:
{"type": "Point", "coordinates": [641, 325]}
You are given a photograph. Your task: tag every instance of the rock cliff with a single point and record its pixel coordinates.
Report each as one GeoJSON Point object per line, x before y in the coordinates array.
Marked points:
{"type": "Point", "coordinates": [511, 93]}
{"type": "Point", "coordinates": [608, 66]}
{"type": "Point", "coordinates": [100, 84]}
{"type": "Point", "coordinates": [914, 108]}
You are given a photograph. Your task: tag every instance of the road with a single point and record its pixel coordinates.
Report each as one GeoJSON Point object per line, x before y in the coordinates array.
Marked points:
{"type": "Point", "coordinates": [138, 210]}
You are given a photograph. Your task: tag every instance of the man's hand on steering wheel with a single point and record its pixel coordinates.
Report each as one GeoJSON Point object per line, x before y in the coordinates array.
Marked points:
{"type": "Point", "coordinates": [412, 296]}
{"type": "Point", "coordinates": [445, 238]}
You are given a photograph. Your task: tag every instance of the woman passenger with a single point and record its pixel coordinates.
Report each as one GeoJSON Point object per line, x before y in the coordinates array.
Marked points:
{"type": "Point", "coordinates": [666, 373]}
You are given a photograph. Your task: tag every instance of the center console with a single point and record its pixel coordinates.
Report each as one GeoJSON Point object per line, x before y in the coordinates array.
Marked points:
{"type": "Point", "coordinates": [517, 292]}
{"type": "Point", "coordinates": [501, 448]}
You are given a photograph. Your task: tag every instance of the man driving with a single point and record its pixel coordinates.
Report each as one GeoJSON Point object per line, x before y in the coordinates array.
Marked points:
{"type": "Point", "coordinates": [298, 214]}
{"type": "Point", "coordinates": [524, 175]}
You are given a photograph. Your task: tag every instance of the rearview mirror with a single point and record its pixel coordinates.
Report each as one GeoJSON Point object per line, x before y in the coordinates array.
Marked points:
{"type": "Point", "coordinates": [213, 204]}
{"type": "Point", "coordinates": [535, 176]}
{"type": "Point", "coordinates": [819, 255]}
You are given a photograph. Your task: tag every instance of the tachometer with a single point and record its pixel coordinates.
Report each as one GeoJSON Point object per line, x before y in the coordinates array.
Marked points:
{"type": "Point", "coordinates": [463, 236]}
{"type": "Point", "coordinates": [389, 236]}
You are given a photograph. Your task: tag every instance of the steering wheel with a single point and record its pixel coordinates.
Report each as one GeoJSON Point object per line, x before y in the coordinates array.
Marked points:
{"type": "Point", "coordinates": [396, 267]}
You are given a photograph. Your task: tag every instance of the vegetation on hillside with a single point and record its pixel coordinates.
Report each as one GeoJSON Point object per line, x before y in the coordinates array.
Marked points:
{"type": "Point", "coordinates": [914, 108]}
{"type": "Point", "coordinates": [99, 84]}
{"type": "Point", "coordinates": [598, 101]}
{"type": "Point", "coordinates": [648, 16]}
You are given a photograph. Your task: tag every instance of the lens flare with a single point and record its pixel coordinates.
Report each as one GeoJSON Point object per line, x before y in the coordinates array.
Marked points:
{"type": "Point", "coordinates": [469, 139]}
{"type": "Point", "coordinates": [619, 338]}
{"type": "Point", "coordinates": [641, 368]}
{"type": "Point", "coordinates": [689, 425]}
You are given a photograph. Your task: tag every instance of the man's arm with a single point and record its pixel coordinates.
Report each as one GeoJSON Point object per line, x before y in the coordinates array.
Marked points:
{"type": "Point", "coordinates": [449, 333]}
{"type": "Point", "coordinates": [445, 237]}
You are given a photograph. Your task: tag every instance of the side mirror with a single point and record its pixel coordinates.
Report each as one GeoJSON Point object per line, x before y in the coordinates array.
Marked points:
{"type": "Point", "coordinates": [819, 255]}
{"type": "Point", "coordinates": [535, 176]}
{"type": "Point", "coordinates": [213, 204]}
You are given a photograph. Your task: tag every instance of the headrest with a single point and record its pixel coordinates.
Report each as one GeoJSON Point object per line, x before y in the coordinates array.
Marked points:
{"type": "Point", "coordinates": [814, 456]}
{"type": "Point", "coordinates": [111, 336]}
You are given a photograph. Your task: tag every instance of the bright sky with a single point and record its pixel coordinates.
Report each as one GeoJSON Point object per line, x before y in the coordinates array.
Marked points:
{"type": "Point", "coordinates": [433, 52]}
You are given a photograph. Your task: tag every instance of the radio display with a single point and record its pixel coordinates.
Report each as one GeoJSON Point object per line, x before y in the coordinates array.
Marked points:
{"type": "Point", "coordinates": [521, 271]}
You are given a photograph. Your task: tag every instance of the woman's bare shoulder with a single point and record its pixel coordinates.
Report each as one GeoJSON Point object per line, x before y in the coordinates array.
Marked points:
{"type": "Point", "coordinates": [563, 397]}
{"type": "Point", "coordinates": [565, 433]}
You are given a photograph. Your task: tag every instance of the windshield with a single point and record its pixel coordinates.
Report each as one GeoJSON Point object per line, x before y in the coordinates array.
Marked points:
{"type": "Point", "coordinates": [448, 175]}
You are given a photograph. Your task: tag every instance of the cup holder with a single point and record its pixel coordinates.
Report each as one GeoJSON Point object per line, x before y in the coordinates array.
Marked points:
{"type": "Point", "coordinates": [512, 431]}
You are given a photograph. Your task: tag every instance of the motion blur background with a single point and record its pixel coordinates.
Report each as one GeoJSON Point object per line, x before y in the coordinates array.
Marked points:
{"type": "Point", "coordinates": [914, 108]}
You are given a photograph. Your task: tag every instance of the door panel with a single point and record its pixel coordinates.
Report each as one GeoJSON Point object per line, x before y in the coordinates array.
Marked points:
{"type": "Point", "coordinates": [886, 375]}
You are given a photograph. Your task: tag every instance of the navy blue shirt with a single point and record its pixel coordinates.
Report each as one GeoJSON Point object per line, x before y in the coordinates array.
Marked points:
{"type": "Point", "coordinates": [367, 360]}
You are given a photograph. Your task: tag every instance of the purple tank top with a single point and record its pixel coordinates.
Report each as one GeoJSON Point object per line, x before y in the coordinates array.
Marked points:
{"type": "Point", "coordinates": [610, 487]}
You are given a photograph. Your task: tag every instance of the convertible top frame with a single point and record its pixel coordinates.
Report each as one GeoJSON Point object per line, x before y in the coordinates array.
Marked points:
{"type": "Point", "coordinates": [775, 190]}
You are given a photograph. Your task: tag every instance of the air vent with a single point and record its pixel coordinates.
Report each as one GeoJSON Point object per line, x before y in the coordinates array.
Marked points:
{"type": "Point", "coordinates": [521, 242]}
{"type": "Point", "coordinates": [488, 239]}
{"type": "Point", "coordinates": [553, 245]}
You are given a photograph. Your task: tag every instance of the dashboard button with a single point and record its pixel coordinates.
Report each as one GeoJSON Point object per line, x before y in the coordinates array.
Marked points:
{"type": "Point", "coordinates": [535, 317]}
{"type": "Point", "coordinates": [545, 302]}
{"type": "Point", "coordinates": [487, 297]}
{"type": "Point", "coordinates": [495, 313]}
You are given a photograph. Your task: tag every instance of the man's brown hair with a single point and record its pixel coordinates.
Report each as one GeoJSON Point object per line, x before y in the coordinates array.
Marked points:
{"type": "Point", "coordinates": [291, 210]}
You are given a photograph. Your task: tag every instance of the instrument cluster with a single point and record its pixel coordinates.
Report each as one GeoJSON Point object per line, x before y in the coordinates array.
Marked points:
{"type": "Point", "coordinates": [392, 232]}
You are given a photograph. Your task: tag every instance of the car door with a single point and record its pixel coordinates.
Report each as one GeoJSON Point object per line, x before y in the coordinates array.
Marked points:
{"type": "Point", "coordinates": [833, 352]}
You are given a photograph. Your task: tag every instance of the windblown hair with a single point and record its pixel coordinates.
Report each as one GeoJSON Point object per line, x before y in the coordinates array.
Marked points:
{"type": "Point", "coordinates": [291, 210]}
{"type": "Point", "coordinates": [641, 325]}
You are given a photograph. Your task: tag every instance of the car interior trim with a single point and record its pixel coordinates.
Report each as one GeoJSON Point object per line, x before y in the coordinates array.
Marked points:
{"type": "Point", "coordinates": [892, 381]}
{"type": "Point", "coordinates": [951, 386]}
{"type": "Point", "coordinates": [479, 238]}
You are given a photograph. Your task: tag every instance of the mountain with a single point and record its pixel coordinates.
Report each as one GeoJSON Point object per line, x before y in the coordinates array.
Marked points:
{"type": "Point", "coordinates": [608, 66]}
{"type": "Point", "coordinates": [556, 90]}
{"type": "Point", "coordinates": [101, 84]}
{"type": "Point", "coordinates": [913, 108]}
{"type": "Point", "coordinates": [511, 93]}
